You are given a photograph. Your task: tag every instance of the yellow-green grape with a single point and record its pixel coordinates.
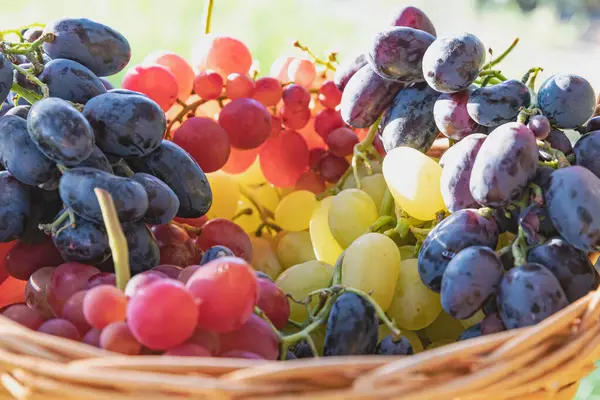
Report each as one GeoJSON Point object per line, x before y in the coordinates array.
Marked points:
{"type": "Point", "coordinates": [302, 279]}
{"type": "Point", "coordinates": [226, 194]}
{"type": "Point", "coordinates": [248, 222]}
{"type": "Point", "coordinates": [444, 327]}
{"type": "Point", "coordinates": [325, 246]}
{"type": "Point", "coordinates": [414, 181]}
{"type": "Point", "coordinates": [295, 248]}
{"type": "Point", "coordinates": [439, 343]}
{"type": "Point", "coordinates": [252, 176]}
{"type": "Point", "coordinates": [264, 258]}
{"type": "Point", "coordinates": [412, 337]}
{"type": "Point", "coordinates": [265, 194]}
{"type": "Point", "coordinates": [372, 264]}
{"type": "Point", "coordinates": [374, 186]}
{"type": "Point", "coordinates": [351, 213]}
{"type": "Point", "coordinates": [350, 182]}
{"type": "Point", "coordinates": [414, 306]}
{"type": "Point", "coordinates": [295, 210]}
{"type": "Point", "coordinates": [473, 320]}
{"type": "Point", "coordinates": [407, 252]}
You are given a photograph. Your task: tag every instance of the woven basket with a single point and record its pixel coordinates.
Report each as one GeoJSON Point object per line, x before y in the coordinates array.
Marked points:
{"type": "Point", "coordinates": [545, 361]}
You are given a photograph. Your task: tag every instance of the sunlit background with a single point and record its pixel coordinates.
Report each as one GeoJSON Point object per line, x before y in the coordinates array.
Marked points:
{"type": "Point", "coordinates": [558, 35]}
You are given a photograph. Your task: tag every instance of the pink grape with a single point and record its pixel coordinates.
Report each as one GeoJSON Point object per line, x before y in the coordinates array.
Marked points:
{"type": "Point", "coordinates": [302, 72]}
{"type": "Point", "coordinates": [92, 337]}
{"type": "Point", "coordinates": [205, 140]}
{"type": "Point", "coordinates": [155, 81]}
{"type": "Point", "coordinates": [144, 279]}
{"type": "Point", "coordinates": [247, 122]}
{"type": "Point", "coordinates": [310, 181]}
{"type": "Point", "coordinates": [60, 327]}
{"type": "Point", "coordinates": [103, 305]}
{"type": "Point", "coordinates": [332, 167]}
{"type": "Point", "coordinates": [73, 312]}
{"type": "Point", "coordinates": [224, 54]}
{"type": "Point", "coordinates": [24, 315]}
{"type": "Point", "coordinates": [206, 339]}
{"type": "Point", "coordinates": [208, 85]}
{"type": "Point", "coordinates": [279, 68]}
{"type": "Point", "coordinates": [268, 91]}
{"type": "Point", "coordinates": [295, 97]}
{"type": "Point", "coordinates": [188, 350]}
{"type": "Point", "coordinates": [329, 94]}
{"type": "Point", "coordinates": [187, 273]}
{"type": "Point", "coordinates": [284, 158]}
{"type": "Point", "coordinates": [326, 121]}
{"type": "Point", "coordinates": [238, 86]}
{"type": "Point", "coordinates": [179, 67]}
{"type": "Point", "coordinates": [23, 259]}
{"type": "Point", "coordinates": [117, 337]}
{"type": "Point", "coordinates": [295, 119]}
{"type": "Point", "coordinates": [67, 279]}
{"type": "Point", "coordinates": [255, 336]}
{"type": "Point", "coordinates": [103, 278]}
{"type": "Point", "coordinates": [341, 142]}
{"type": "Point", "coordinates": [274, 302]}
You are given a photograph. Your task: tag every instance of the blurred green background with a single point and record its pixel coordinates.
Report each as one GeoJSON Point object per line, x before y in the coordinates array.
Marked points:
{"type": "Point", "coordinates": [558, 35]}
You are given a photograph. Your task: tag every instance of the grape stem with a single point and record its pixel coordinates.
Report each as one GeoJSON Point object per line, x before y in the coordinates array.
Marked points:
{"type": "Point", "coordinates": [327, 64]}
{"type": "Point", "coordinates": [387, 204]}
{"type": "Point", "coordinates": [188, 228]}
{"type": "Point", "coordinates": [503, 55]}
{"type": "Point", "coordinates": [125, 167]}
{"type": "Point", "coordinates": [519, 248]}
{"type": "Point", "coordinates": [18, 30]}
{"type": "Point", "coordinates": [381, 223]}
{"type": "Point", "coordinates": [336, 278]}
{"type": "Point", "coordinates": [492, 74]}
{"type": "Point", "coordinates": [266, 216]}
{"type": "Point", "coordinates": [116, 237]}
{"type": "Point", "coordinates": [559, 157]}
{"type": "Point", "coordinates": [208, 9]}
{"type": "Point", "coordinates": [51, 227]}
{"type": "Point", "coordinates": [187, 109]}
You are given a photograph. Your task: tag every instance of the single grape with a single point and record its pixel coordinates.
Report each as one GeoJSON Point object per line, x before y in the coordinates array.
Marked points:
{"type": "Point", "coordinates": [206, 142]}
{"type": "Point", "coordinates": [103, 278]}
{"type": "Point", "coordinates": [36, 293]}
{"type": "Point", "coordinates": [92, 337]}
{"type": "Point", "coordinates": [20, 111]}
{"type": "Point", "coordinates": [413, 17]}
{"type": "Point", "coordinates": [61, 328]}
{"type": "Point", "coordinates": [224, 54]}
{"type": "Point", "coordinates": [443, 328]}
{"type": "Point", "coordinates": [104, 305]}
{"type": "Point", "coordinates": [141, 280]}
{"type": "Point", "coordinates": [310, 181]}
{"type": "Point", "coordinates": [332, 167]}
{"type": "Point", "coordinates": [220, 231]}
{"type": "Point", "coordinates": [328, 120]}
{"type": "Point", "coordinates": [408, 121]}
{"type": "Point", "coordinates": [302, 72]}
{"type": "Point", "coordinates": [586, 152]}
{"type": "Point", "coordinates": [351, 327]}
{"type": "Point", "coordinates": [67, 279]}
{"type": "Point", "coordinates": [26, 316]}
{"type": "Point", "coordinates": [144, 251]}
{"type": "Point", "coordinates": [188, 350]}
{"type": "Point", "coordinates": [341, 141]}
{"type": "Point", "coordinates": [267, 90]}
{"type": "Point", "coordinates": [176, 247]}
{"type": "Point", "coordinates": [295, 248]}
{"type": "Point", "coordinates": [295, 119]}
{"type": "Point", "coordinates": [71, 81]}
{"type": "Point", "coordinates": [372, 264]}
{"type": "Point", "coordinates": [540, 126]}
{"type": "Point", "coordinates": [239, 160]}
{"type": "Point", "coordinates": [73, 312]}
{"type": "Point", "coordinates": [460, 230]}
{"type": "Point", "coordinates": [375, 186]}
{"type": "Point", "coordinates": [273, 302]}
{"type": "Point", "coordinates": [528, 294]}
{"type": "Point", "coordinates": [295, 97]}
{"type": "Point", "coordinates": [23, 259]}
{"type": "Point", "coordinates": [559, 141]}
{"type": "Point", "coordinates": [497, 104]}
{"type": "Point", "coordinates": [155, 81]}
{"type": "Point", "coordinates": [208, 340]}
{"type": "Point", "coordinates": [238, 86]}
{"type": "Point", "coordinates": [452, 63]}
{"type": "Point", "coordinates": [99, 47]}
{"type": "Point", "coordinates": [451, 116]}
{"type": "Point", "coordinates": [329, 95]}
{"type": "Point", "coordinates": [15, 203]}
{"type": "Point", "coordinates": [82, 241]}
{"type": "Point", "coordinates": [215, 252]}
{"type": "Point", "coordinates": [593, 124]}
{"type": "Point", "coordinates": [208, 84]}
{"type": "Point", "coordinates": [347, 70]}
{"type": "Point", "coordinates": [163, 203]}
{"type": "Point", "coordinates": [315, 156]}
{"type": "Point", "coordinates": [264, 258]}
{"type": "Point", "coordinates": [254, 336]}
{"type": "Point", "coordinates": [179, 67]}
{"type": "Point", "coordinates": [225, 291]}
{"type": "Point", "coordinates": [351, 213]}
{"type": "Point", "coordinates": [279, 68]}
{"type": "Point", "coordinates": [567, 100]}
{"type": "Point", "coordinates": [284, 158]}
{"type": "Point", "coordinates": [396, 53]}
{"type": "Point", "coordinates": [6, 76]}
{"type": "Point", "coordinates": [117, 337]}
{"type": "Point", "coordinates": [389, 346]}
{"type": "Point", "coordinates": [247, 122]}
{"type": "Point", "coordinates": [326, 248]}
{"type": "Point", "coordinates": [294, 211]}
{"type": "Point", "coordinates": [98, 160]}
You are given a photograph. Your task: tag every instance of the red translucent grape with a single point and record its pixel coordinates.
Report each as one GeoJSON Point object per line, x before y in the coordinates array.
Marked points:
{"type": "Point", "coordinates": [329, 94]}
{"type": "Point", "coordinates": [117, 337]}
{"type": "Point", "coordinates": [23, 259]}
{"type": "Point", "coordinates": [24, 315]}
{"type": "Point", "coordinates": [104, 305]}
{"type": "Point", "coordinates": [302, 72]}
{"type": "Point", "coordinates": [155, 81]}
{"type": "Point", "coordinates": [172, 271]}
{"type": "Point", "coordinates": [73, 312]}
{"type": "Point", "coordinates": [60, 327]}
{"type": "Point", "coordinates": [247, 122]}
{"type": "Point", "coordinates": [241, 354]}
{"type": "Point", "coordinates": [239, 160]}
{"type": "Point", "coordinates": [103, 278]}
{"type": "Point", "coordinates": [225, 290]}
{"type": "Point", "coordinates": [332, 167]}
{"type": "Point", "coordinates": [274, 302]}
{"type": "Point", "coordinates": [208, 85]}
{"type": "Point", "coordinates": [279, 68]}
{"type": "Point", "coordinates": [255, 336]}
{"type": "Point", "coordinates": [276, 126]}
{"type": "Point", "coordinates": [179, 67]}
{"type": "Point", "coordinates": [310, 181]}
{"type": "Point", "coordinates": [195, 222]}
{"type": "Point", "coordinates": [221, 231]}
{"type": "Point", "coordinates": [36, 293]}
{"type": "Point", "coordinates": [284, 158]}
{"type": "Point", "coordinates": [224, 54]}
{"type": "Point", "coordinates": [206, 339]}
{"type": "Point", "coordinates": [267, 90]}
{"type": "Point", "coordinates": [188, 350]}
{"type": "Point", "coordinates": [238, 86]}
{"type": "Point", "coordinates": [187, 273]}
{"type": "Point", "coordinates": [295, 97]}
{"type": "Point", "coordinates": [12, 291]}
{"type": "Point", "coordinates": [144, 279]}
{"type": "Point", "coordinates": [296, 119]}
{"type": "Point", "coordinates": [341, 142]}
{"type": "Point", "coordinates": [206, 142]}
{"type": "Point", "coordinates": [327, 120]}
{"type": "Point", "coordinates": [315, 156]}
{"type": "Point", "coordinates": [67, 279]}
{"type": "Point", "coordinates": [313, 140]}
{"type": "Point", "coordinates": [176, 247]}
{"type": "Point", "coordinates": [162, 314]}
{"type": "Point", "coordinates": [92, 337]}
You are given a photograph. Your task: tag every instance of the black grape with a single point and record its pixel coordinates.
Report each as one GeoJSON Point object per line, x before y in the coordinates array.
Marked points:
{"type": "Point", "coordinates": [215, 252]}
{"type": "Point", "coordinates": [19, 154]}
{"type": "Point", "coordinates": [470, 278]}
{"type": "Point", "coordinates": [19, 111]}
{"type": "Point", "coordinates": [23, 81]}
{"type": "Point", "coordinates": [347, 70]}
{"type": "Point", "coordinates": [366, 96]}
{"type": "Point", "coordinates": [97, 159]}
{"type": "Point", "coordinates": [77, 186]}
{"type": "Point", "coordinates": [391, 347]}
{"type": "Point", "coordinates": [497, 104]}
{"type": "Point", "coordinates": [99, 47]}
{"type": "Point", "coordinates": [144, 253]}
{"type": "Point", "coordinates": [6, 76]}
{"type": "Point", "coordinates": [126, 91]}
{"type": "Point", "coordinates": [587, 152]}
{"type": "Point", "coordinates": [60, 131]}
{"type": "Point", "coordinates": [351, 327]}
{"type": "Point", "coordinates": [559, 141]}
{"type": "Point", "coordinates": [83, 241]}
{"type": "Point", "coordinates": [456, 173]}
{"type": "Point", "coordinates": [163, 203]}
{"type": "Point", "coordinates": [45, 205]}
{"type": "Point", "coordinates": [573, 203]}
{"type": "Point", "coordinates": [6, 107]}
{"type": "Point", "coordinates": [413, 17]}
{"type": "Point", "coordinates": [396, 53]}
{"type": "Point", "coordinates": [303, 350]}
{"type": "Point", "coordinates": [567, 100]}
{"type": "Point", "coordinates": [528, 294]}
{"type": "Point", "coordinates": [472, 332]}
{"type": "Point", "coordinates": [451, 116]}
{"type": "Point", "coordinates": [71, 81]}
{"type": "Point", "coordinates": [593, 124]}
{"type": "Point", "coordinates": [453, 63]}
{"type": "Point", "coordinates": [504, 165]}
{"type": "Point", "coordinates": [571, 267]}
{"type": "Point", "coordinates": [15, 199]}
{"type": "Point", "coordinates": [460, 230]}
{"type": "Point", "coordinates": [175, 167]}
{"type": "Point", "coordinates": [409, 120]}
{"type": "Point", "coordinates": [32, 34]}
{"type": "Point", "coordinates": [126, 126]}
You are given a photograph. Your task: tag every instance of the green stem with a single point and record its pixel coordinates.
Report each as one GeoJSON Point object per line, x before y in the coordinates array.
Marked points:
{"type": "Point", "coordinates": [327, 64]}
{"type": "Point", "coordinates": [116, 238]}
{"type": "Point", "coordinates": [336, 278]}
{"type": "Point", "coordinates": [381, 223]}
{"type": "Point", "coordinates": [387, 204]}
{"type": "Point", "coordinates": [51, 227]}
{"type": "Point", "coordinates": [503, 55]}
{"type": "Point", "coordinates": [378, 310]}
{"type": "Point", "coordinates": [208, 15]}
{"type": "Point", "coordinates": [28, 95]}
{"type": "Point", "coordinates": [519, 248]}
{"type": "Point", "coordinates": [531, 84]}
